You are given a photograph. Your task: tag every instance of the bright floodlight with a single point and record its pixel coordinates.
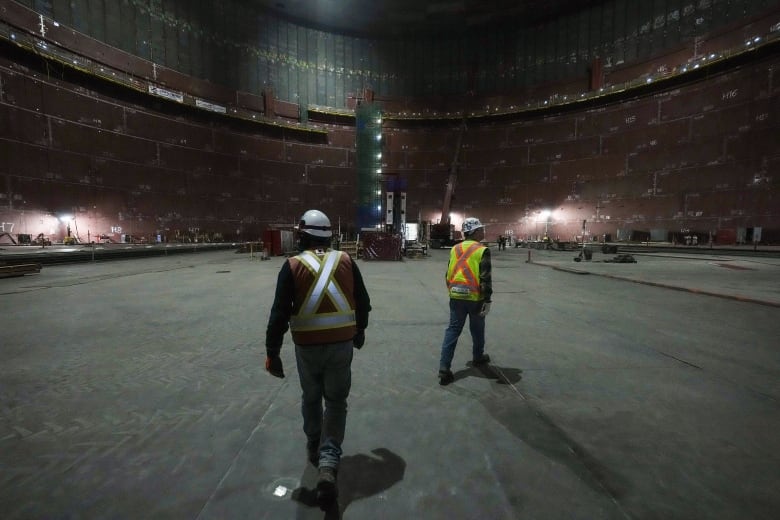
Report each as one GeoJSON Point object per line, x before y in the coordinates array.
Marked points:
{"type": "Point", "coordinates": [66, 218]}
{"type": "Point", "coordinates": [544, 214]}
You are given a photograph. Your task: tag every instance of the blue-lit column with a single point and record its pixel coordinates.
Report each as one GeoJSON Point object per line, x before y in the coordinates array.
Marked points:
{"type": "Point", "coordinates": [368, 150]}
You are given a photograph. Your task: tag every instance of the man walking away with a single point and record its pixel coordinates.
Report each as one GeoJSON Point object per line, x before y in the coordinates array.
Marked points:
{"type": "Point", "coordinates": [470, 289]}
{"type": "Point", "coordinates": [321, 298]}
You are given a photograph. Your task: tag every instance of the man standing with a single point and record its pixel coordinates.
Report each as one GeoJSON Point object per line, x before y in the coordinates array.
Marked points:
{"type": "Point", "coordinates": [321, 297]}
{"type": "Point", "coordinates": [470, 288]}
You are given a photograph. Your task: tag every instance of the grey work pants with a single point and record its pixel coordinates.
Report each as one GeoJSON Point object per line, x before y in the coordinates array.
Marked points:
{"type": "Point", "coordinates": [325, 372]}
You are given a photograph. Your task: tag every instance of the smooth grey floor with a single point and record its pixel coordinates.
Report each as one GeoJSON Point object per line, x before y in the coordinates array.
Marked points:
{"type": "Point", "coordinates": [136, 389]}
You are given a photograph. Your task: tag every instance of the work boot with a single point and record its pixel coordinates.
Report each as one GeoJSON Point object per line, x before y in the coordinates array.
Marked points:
{"type": "Point", "coordinates": [484, 359]}
{"type": "Point", "coordinates": [445, 377]}
{"type": "Point", "coordinates": [313, 452]}
{"type": "Point", "coordinates": [327, 492]}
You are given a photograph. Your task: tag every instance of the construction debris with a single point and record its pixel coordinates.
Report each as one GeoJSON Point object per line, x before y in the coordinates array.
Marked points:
{"type": "Point", "coordinates": [622, 259]}
{"type": "Point", "coordinates": [8, 271]}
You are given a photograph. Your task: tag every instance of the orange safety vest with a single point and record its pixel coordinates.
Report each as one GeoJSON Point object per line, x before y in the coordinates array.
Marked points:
{"type": "Point", "coordinates": [324, 306]}
{"type": "Point", "coordinates": [463, 271]}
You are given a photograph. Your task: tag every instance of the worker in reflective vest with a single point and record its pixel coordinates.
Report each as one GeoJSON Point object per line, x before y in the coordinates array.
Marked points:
{"type": "Point", "coordinates": [321, 297]}
{"type": "Point", "coordinates": [470, 290]}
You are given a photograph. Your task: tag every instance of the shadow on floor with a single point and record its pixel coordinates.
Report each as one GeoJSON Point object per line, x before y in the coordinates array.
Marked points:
{"type": "Point", "coordinates": [501, 375]}
{"type": "Point", "coordinates": [360, 476]}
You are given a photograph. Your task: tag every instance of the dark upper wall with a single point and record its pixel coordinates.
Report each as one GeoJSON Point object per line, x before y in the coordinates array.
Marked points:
{"type": "Point", "coordinates": [228, 43]}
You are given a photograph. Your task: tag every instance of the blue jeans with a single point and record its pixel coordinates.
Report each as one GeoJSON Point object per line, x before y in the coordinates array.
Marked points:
{"type": "Point", "coordinates": [325, 372]}
{"type": "Point", "coordinates": [459, 310]}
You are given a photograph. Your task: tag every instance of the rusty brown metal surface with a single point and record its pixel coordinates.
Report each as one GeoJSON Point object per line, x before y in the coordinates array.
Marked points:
{"type": "Point", "coordinates": [381, 246]}
{"type": "Point", "coordinates": [701, 156]}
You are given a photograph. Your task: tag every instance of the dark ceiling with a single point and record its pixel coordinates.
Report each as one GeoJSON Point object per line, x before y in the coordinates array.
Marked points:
{"type": "Point", "coordinates": [387, 18]}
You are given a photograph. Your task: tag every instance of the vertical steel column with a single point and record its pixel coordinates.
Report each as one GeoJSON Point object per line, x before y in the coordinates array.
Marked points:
{"type": "Point", "coordinates": [368, 150]}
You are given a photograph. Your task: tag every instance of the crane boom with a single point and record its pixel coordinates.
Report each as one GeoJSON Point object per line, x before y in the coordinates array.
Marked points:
{"type": "Point", "coordinates": [441, 234]}
{"type": "Point", "coordinates": [447, 204]}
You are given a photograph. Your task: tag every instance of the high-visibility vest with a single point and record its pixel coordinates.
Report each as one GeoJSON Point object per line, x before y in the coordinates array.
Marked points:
{"type": "Point", "coordinates": [324, 306]}
{"type": "Point", "coordinates": [463, 271]}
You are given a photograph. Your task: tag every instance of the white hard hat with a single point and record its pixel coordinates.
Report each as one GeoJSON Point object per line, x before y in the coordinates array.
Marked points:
{"type": "Point", "coordinates": [315, 223]}
{"type": "Point", "coordinates": [471, 224]}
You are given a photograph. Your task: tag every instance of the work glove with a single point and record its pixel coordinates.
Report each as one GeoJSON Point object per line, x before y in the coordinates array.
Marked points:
{"type": "Point", "coordinates": [485, 309]}
{"type": "Point", "coordinates": [359, 339]}
{"type": "Point", "coordinates": [274, 366]}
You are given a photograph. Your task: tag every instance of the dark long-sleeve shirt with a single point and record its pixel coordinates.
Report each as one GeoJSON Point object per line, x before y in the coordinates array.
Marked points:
{"type": "Point", "coordinates": [284, 300]}
{"type": "Point", "coordinates": [485, 276]}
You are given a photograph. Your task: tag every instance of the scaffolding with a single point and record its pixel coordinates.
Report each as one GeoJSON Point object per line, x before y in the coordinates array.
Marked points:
{"type": "Point", "coordinates": [368, 149]}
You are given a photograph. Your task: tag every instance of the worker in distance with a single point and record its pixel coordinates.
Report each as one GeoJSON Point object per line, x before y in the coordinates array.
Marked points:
{"type": "Point", "coordinates": [470, 289]}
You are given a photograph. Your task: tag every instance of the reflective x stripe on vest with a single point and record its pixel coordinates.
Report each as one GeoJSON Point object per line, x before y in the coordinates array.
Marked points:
{"type": "Point", "coordinates": [324, 284]}
{"type": "Point", "coordinates": [463, 280]}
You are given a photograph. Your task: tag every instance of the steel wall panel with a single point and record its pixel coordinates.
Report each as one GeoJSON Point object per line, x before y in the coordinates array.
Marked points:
{"type": "Point", "coordinates": [23, 160]}
{"type": "Point", "coordinates": [232, 143]}
{"type": "Point", "coordinates": [319, 175]}
{"type": "Point", "coordinates": [341, 194]}
{"type": "Point", "coordinates": [400, 139]}
{"type": "Point", "coordinates": [468, 180]}
{"type": "Point", "coordinates": [753, 144]}
{"type": "Point", "coordinates": [518, 194]}
{"type": "Point", "coordinates": [258, 168]}
{"type": "Point", "coordinates": [481, 139]}
{"type": "Point", "coordinates": [345, 138]}
{"type": "Point", "coordinates": [667, 62]}
{"type": "Point", "coordinates": [482, 198]}
{"type": "Point", "coordinates": [313, 154]}
{"type": "Point", "coordinates": [417, 181]}
{"type": "Point", "coordinates": [24, 125]}
{"type": "Point", "coordinates": [69, 167]}
{"type": "Point", "coordinates": [539, 131]}
{"type": "Point", "coordinates": [564, 151]}
{"type": "Point", "coordinates": [167, 130]}
{"type": "Point", "coordinates": [423, 140]}
{"type": "Point", "coordinates": [540, 195]}
{"type": "Point", "coordinates": [700, 151]}
{"type": "Point", "coordinates": [394, 160]}
{"type": "Point", "coordinates": [172, 183]}
{"type": "Point", "coordinates": [473, 158]}
{"type": "Point", "coordinates": [247, 145]}
{"type": "Point", "coordinates": [21, 91]}
{"type": "Point", "coordinates": [727, 90]}
{"type": "Point", "coordinates": [81, 139]}
{"type": "Point", "coordinates": [651, 137]}
{"type": "Point", "coordinates": [619, 187]}
{"type": "Point", "coordinates": [81, 108]}
{"type": "Point", "coordinates": [655, 159]}
{"type": "Point", "coordinates": [683, 181]}
{"type": "Point", "coordinates": [588, 169]}
{"type": "Point", "coordinates": [281, 172]}
{"type": "Point", "coordinates": [127, 177]}
{"type": "Point", "coordinates": [523, 174]}
{"type": "Point", "coordinates": [626, 116]}
{"type": "Point", "coordinates": [501, 157]}
{"type": "Point", "coordinates": [427, 159]}
{"type": "Point", "coordinates": [722, 121]}
{"type": "Point", "coordinates": [187, 159]}
{"type": "Point", "coordinates": [202, 185]}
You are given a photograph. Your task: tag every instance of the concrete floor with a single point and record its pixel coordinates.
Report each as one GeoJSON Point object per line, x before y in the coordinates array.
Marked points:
{"type": "Point", "coordinates": [135, 389]}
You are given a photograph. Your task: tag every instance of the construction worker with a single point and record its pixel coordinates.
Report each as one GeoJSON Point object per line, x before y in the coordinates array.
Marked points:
{"type": "Point", "coordinates": [321, 296]}
{"type": "Point", "coordinates": [470, 289]}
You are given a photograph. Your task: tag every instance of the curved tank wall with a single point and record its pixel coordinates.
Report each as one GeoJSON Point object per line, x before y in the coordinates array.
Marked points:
{"type": "Point", "coordinates": [698, 158]}
{"type": "Point", "coordinates": [103, 160]}
{"type": "Point", "coordinates": [233, 44]}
